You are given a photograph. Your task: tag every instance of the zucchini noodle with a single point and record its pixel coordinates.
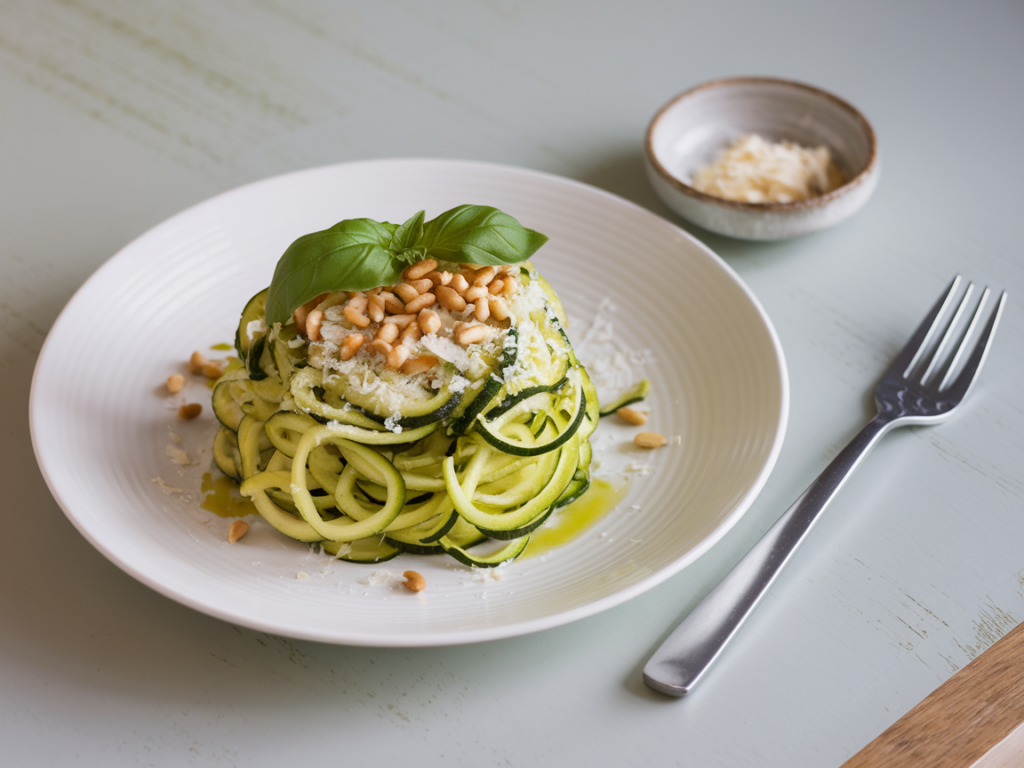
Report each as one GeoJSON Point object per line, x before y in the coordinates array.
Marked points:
{"type": "Point", "coordinates": [454, 442]}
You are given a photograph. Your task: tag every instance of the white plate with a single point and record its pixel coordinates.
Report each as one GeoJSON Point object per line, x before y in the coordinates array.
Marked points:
{"type": "Point", "coordinates": [102, 422]}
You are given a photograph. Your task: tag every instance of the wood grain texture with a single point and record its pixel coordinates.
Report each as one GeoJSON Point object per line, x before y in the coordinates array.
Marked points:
{"type": "Point", "coordinates": [965, 718]}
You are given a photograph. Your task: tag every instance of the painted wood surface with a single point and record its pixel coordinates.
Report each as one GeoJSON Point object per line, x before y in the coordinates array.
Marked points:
{"type": "Point", "coordinates": [120, 113]}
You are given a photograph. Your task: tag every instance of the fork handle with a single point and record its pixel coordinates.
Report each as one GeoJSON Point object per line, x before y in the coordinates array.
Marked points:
{"type": "Point", "coordinates": [691, 648]}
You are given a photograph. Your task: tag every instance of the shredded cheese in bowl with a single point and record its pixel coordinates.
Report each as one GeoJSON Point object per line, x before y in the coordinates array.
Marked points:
{"type": "Point", "coordinates": [754, 170]}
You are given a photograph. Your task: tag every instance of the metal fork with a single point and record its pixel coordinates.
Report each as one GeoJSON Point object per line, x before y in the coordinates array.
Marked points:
{"type": "Point", "coordinates": [924, 385]}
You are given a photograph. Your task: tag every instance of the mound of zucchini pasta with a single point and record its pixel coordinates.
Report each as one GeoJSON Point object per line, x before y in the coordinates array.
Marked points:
{"type": "Point", "coordinates": [445, 412]}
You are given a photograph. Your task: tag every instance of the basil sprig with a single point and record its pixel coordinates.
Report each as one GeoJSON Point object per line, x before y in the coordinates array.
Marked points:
{"type": "Point", "coordinates": [359, 254]}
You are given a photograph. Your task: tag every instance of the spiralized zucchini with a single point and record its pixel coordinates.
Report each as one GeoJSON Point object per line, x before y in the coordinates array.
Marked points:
{"type": "Point", "coordinates": [370, 461]}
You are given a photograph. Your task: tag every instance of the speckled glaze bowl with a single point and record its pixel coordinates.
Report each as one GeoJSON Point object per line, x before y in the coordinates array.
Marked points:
{"type": "Point", "coordinates": [697, 125]}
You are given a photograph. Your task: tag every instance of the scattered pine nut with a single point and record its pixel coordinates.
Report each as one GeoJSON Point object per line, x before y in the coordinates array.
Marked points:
{"type": "Point", "coordinates": [175, 383]}
{"type": "Point", "coordinates": [237, 530]}
{"type": "Point", "coordinates": [414, 581]}
{"type": "Point", "coordinates": [649, 440]}
{"type": "Point", "coordinates": [196, 362]}
{"type": "Point", "coordinates": [212, 370]}
{"type": "Point", "coordinates": [630, 416]}
{"type": "Point", "coordinates": [189, 411]}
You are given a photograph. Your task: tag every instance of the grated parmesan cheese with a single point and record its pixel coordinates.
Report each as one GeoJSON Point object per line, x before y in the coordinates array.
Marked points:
{"type": "Point", "coordinates": [753, 170]}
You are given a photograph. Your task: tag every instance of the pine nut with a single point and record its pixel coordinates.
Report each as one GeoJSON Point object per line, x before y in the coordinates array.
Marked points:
{"type": "Point", "coordinates": [649, 440]}
{"type": "Point", "coordinates": [474, 293]}
{"type": "Point", "coordinates": [449, 299]}
{"type": "Point", "coordinates": [301, 313]}
{"type": "Point", "coordinates": [631, 416]}
{"type": "Point", "coordinates": [499, 309]}
{"type": "Point", "coordinates": [392, 303]}
{"type": "Point", "coordinates": [378, 347]}
{"type": "Point", "coordinates": [351, 345]}
{"type": "Point", "coordinates": [175, 383]}
{"type": "Point", "coordinates": [411, 334]}
{"type": "Point", "coordinates": [484, 276]}
{"type": "Point", "coordinates": [397, 356]}
{"type": "Point", "coordinates": [237, 530]}
{"type": "Point", "coordinates": [471, 334]}
{"type": "Point", "coordinates": [313, 321]}
{"type": "Point", "coordinates": [511, 287]}
{"type": "Point", "coordinates": [359, 301]}
{"type": "Point", "coordinates": [402, 320]}
{"type": "Point", "coordinates": [374, 291]}
{"type": "Point", "coordinates": [419, 269]}
{"type": "Point", "coordinates": [355, 316]}
{"type": "Point", "coordinates": [423, 285]}
{"type": "Point", "coordinates": [482, 311]}
{"type": "Point", "coordinates": [414, 581]}
{"type": "Point", "coordinates": [407, 292]}
{"type": "Point", "coordinates": [495, 287]}
{"type": "Point", "coordinates": [375, 309]}
{"type": "Point", "coordinates": [419, 364]}
{"type": "Point", "coordinates": [196, 362]}
{"type": "Point", "coordinates": [459, 283]}
{"type": "Point", "coordinates": [428, 321]}
{"type": "Point", "coordinates": [422, 301]}
{"type": "Point", "coordinates": [212, 370]}
{"type": "Point", "coordinates": [440, 278]}
{"type": "Point", "coordinates": [388, 332]}
{"type": "Point", "coordinates": [189, 411]}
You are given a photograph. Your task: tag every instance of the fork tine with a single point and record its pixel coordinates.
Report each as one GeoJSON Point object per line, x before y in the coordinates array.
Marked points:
{"type": "Point", "coordinates": [963, 346]}
{"type": "Point", "coordinates": [959, 388]}
{"type": "Point", "coordinates": [911, 353]}
{"type": "Point", "coordinates": [940, 350]}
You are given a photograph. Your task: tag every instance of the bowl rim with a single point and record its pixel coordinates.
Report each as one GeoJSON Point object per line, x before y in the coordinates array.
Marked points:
{"type": "Point", "coordinates": [812, 202]}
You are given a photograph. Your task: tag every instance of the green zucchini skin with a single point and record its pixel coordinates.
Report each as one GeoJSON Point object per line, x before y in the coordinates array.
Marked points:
{"type": "Point", "coordinates": [632, 396]}
{"type": "Point", "coordinates": [441, 475]}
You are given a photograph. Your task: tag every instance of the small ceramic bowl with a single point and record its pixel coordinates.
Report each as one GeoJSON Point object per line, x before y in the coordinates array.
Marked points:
{"type": "Point", "coordinates": [694, 128]}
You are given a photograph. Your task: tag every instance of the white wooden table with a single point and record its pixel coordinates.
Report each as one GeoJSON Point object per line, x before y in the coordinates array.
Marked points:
{"type": "Point", "coordinates": [120, 113]}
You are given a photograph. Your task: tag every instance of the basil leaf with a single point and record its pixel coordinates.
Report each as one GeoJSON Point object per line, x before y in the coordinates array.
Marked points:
{"type": "Point", "coordinates": [407, 235]}
{"type": "Point", "coordinates": [479, 234]}
{"type": "Point", "coordinates": [352, 256]}
{"type": "Point", "coordinates": [359, 254]}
